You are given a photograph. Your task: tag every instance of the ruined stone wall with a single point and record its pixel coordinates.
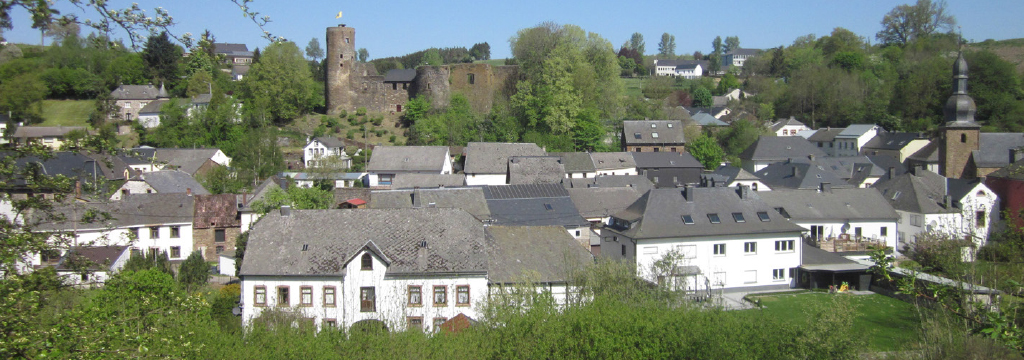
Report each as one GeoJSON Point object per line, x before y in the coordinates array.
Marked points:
{"type": "Point", "coordinates": [477, 82]}
{"type": "Point", "coordinates": [396, 94]}
{"type": "Point", "coordinates": [341, 61]}
{"type": "Point", "coordinates": [432, 82]}
{"type": "Point", "coordinates": [203, 240]}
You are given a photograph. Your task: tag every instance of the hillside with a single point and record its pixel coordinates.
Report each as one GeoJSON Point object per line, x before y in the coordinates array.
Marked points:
{"type": "Point", "coordinates": [1011, 50]}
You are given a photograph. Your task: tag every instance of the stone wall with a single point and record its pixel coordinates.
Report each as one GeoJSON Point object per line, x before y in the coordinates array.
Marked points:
{"type": "Point", "coordinates": [432, 82]}
{"type": "Point", "coordinates": [204, 240]}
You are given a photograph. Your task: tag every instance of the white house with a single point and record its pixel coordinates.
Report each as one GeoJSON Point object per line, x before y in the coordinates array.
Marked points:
{"type": "Point", "coordinates": [737, 57]}
{"type": "Point", "coordinates": [788, 127]}
{"type": "Point", "coordinates": [160, 182]}
{"type": "Point", "coordinates": [487, 163]}
{"type": "Point", "coordinates": [849, 141]}
{"type": "Point", "coordinates": [689, 71]}
{"type": "Point", "coordinates": [614, 163]}
{"type": "Point", "coordinates": [926, 201]}
{"type": "Point", "coordinates": [826, 214]}
{"type": "Point", "coordinates": [701, 239]}
{"type": "Point", "coordinates": [388, 161]}
{"type": "Point", "coordinates": [325, 149]}
{"type": "Point", "coordinates": [731, 176]}
{"type": "Point", "coordinates": [88, 266]}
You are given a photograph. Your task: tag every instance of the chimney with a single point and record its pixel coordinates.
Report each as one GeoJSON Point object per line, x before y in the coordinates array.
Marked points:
{"type": "Point", "coordinates": [811, 157]}
{"type": "Point", "coordinates": [188, 191]}
{"type": "Point", "coordinates": [78, 189]}
{"type": "Point", "coordinates": [795, 171]}
{"type": "Point", "coordinates": [826, 187]}
{"type": "Point", "coordinates": [947, 201]}
{"type": "Point", "coordinates": [245, 198]}
{"type": "Point", "coordinates": [1015, 154]}
{"type": "Point", "coordinates": [688, 193]}
{"type": "Point", "coordinates": [916, 170]}
{"type": "Point", "coordinates": [744, 192]}
{"type": "Point", "coordinates": [415, 197]}
{"type": "Point", "coordinates": [892, 172]}
{"type": "Point", "coordinates": [286, 210]}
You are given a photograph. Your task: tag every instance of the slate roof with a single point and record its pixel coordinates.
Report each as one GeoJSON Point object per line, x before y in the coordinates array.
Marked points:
{"type": "Point", "coordinates": [99, 258]}
{"type": "Point", "coordinates": [470, 199]}
{"type": "Point", "coordinates": [886, 162]}
{"type": "Point", "coordinates": [1013, 171]}
{"type": "Point", "coordinates": [813, 258]}
{"type": "Point", "coordinates": [215, 211]}
{"type": "Point", "coordinates": [414, 180]}
{"type": "Point", "coordinates": [705, 119]}
{"type": "Point", "coordinates": [535, 170]}
{"type": "Point", "coordinates": [810, 174]}
{"type": "Point", "coordinates": [575, 162]}
{"type": "Point", "coordinates": [171, 182]}
{"type": "Point", "coordinates": [135, 92]}
{"type": "Point", "coordinates": [639, 132]}
{"type": "Point", "coordinates": [538, 254]}
{"type": "Point", "coordinates": [858, 204]}
{"type": "Point", "coordinates": [227, 48]}
{"type": "Point", "coordinates": [893, 140]}
{"type": "Point", "coordinates": [400, 75]}
{"type": "Point", "coordinates": [778, 148]}
{"type": "Point", "coordinates": [70, 164]}
{"type": "Point", "coordinates": [492, 158]}
{"type": "Point", "coordinates": [408, 158]}
{"type": "Point", "coordinates": [639, 182]}
{"type": "Point", "coordinates": [994, 149]}
{"type": "Point", "coordinates": [825, 135]}
{"type": "Point", "coordinates": [153, 107]}
{"type": "Point", "coordinates": [792, 121]}
{"type": "Point", "coordinates": [856, 130]}
{"type": "Point", "coordinates": [660, 213]}
{"type": "Point", "coordinates": [733, 173]}
{"type": "Point", "coordinates": [743, 52]}
{"type": "Point", "coordinates": [331, 142]}
{"type": "Point", "coordinates": [921, 193]}
{"type": "Point", "coordinates": [665, 159]}
{"type": "Point", "coordinates": [260, 191]}
{"type": "Point", "coordinates": [135, 210]}
{"type": "Point", "coordinates": [603, 202]}
{"type": "Point", "coordinates": [929, 153]}
{"type": "Point", "coordinates": [454, 241]}
{"type": "Point", "coordinates": [44, 131]}
{"type": "Point", "coordinates": [613, 160]}
{"type": "Point", "coordinates": [186, 160]}
{"type": "Point", "coordinates": [342, 195]}
{"type": "Point", "coordinates": [532, 205]}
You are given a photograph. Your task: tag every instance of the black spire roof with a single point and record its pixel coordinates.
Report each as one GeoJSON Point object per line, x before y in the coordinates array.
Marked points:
{"type": "Point", "coordinates": [959, 110]}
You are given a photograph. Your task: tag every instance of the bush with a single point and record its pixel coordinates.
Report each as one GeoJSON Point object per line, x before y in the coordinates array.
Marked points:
{"type": "Point", "coordinates": [351, 134]}
{"type": "Point", "coordinates": [194, 272]}
{"type": "Point", "coordinates": [361, 111]}
{"type": "Point", "coordinates": [343, 114]}
{"type": "Point", "coordinates": [392, 139]}
{"type": "Point", "coordinates": [378, 120]}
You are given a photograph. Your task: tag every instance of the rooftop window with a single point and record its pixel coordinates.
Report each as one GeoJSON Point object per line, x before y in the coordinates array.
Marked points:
{"type": "Point", "coordinates": [548, 207]}
{"type": "Point", "coordinates": [714, 219]}
{"type": "Point", "coordinates": [687, 219]}
{"type": "Point", "coordinates": [636, 135]}
{"type": "Point", "coordinates": [654, 126]}
{"type": "Point", "coordinates": [738, 217]}
{"type": "Point", "coordinates": [763, 215]}
{"type": "Point", "coordinates": [654, 135]}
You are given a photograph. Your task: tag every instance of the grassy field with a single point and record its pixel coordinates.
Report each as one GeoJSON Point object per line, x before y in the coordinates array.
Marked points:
{"type": "Point", "coordinates": [631, 86]}
{"type": "Point", "coordinates": [885, 323]}
{"type": "Point", "coordinates": [67, 112]}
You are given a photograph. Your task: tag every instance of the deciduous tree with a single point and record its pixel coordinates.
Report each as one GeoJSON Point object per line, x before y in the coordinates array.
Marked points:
{"type": "Point", "coordinates": [280, 87]}
{"type": "Point", "coordinates": [905, 23]}
{"type": "Point", "coordinates": [667, 45]}
{"type": "Point", "coordinates": [313, 50]}
{"type": "Point", "coordinates": [731, 43]}
{"type": "Point", "coordinates": [636, 43]}
{"type": "Point", "coordinates": [706, 150]}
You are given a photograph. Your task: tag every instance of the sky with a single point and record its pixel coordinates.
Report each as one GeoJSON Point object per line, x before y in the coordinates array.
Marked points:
{"type": "Point", "coordinates": [394, 28]}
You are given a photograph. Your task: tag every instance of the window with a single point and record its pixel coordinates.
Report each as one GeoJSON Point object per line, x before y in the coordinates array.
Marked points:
{"type": "Point", "coordinates": [655, 178]}
{"type": "Point", "coordinates": [763, 215]}
{"type": "Point", "coordinates": [175, 251]}
{"type": "Point", "coordinates": [330, 323]}
{"type": "Point", "coordinates": [915, 220]}
{"type": "Point", "coordinates": [385, 179]}
{"type": "Point", "coordinates": [367, 261]}
{"type": "Point", "coordinates": [437, 323]}
{"type": "Point", "coordinates": [440, 295]}
{"type": "Point", "coordinates": [548, 207]}
{"type": "Point", "coordinates": [738, 217]}
{"type": "Point", "coordinates": [884, 231]}
{"type": "Point", "coordinates": [750, 276]}
{"type": "Point", "coordinates": [963, 138]}
{"type": "Point", "coordinates": [714, 219]}
{"type": "Point", "coordinates": [283, 296]}
{"type": "Point", "coordinates": [636, 136]}
{"type": "Point", "coordinates": [687, 219]}
{"type": "Point", "coordinates": [657, 149]}
{"type": "Point", "coordinates": [154, 232]}
{"type": "Point", "coordinates": [260, 296]}
{"type": "Point", "coordinates": [175, 232]}
{"type": "Point", "coordinates": [638, 150]}
{"type": "Point", "coordinates": [979, 219]}
{"type": "Point", "coordinates": [719, 249]}
{"type": "Point", "coordinates": [623, 249]}
{"type": "Point", "coordinates": [367, 299]}
{"type": "Point", "coordinates": [471, 78]}
{"type": "Point", "coordinates": [414, 322]}
{"type": "Point", "coordinates": [394, 86]}
{"type": "Point", "coordinates": [462, 295]}
{"type": "Point", "coordinates": [346, 40]}
{"type": "Point", "coordinates": [415, 295]}
{"type": "Point", "coordinates": [306, 296]}
{"type": "Point", "coordinates": [654, 135]}
{"type": "Point", "coordinates": [219, 250]}
{"type": "Point", "coordinates": [792, 272]}
{"type": "Point", "coordinates": [858, 232]}
{"type": "Point", "coordinates": [778, 274]}
{"type": "Point", "coordinates": [784, 245]}
{"type": "Point", "coordinates": [750, 247]}
{"type": "Point", "coordinates": [329, 296]}
{"type": "Point", "coordinates": [218, 235]}
{"type": "Point", "coordinates": [673, 149]}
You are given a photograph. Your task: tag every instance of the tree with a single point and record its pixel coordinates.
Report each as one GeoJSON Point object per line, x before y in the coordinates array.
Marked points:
{"type": "Point", "coordinates": [697, 55]}
{"type": "Point", "coordinates": [906, 23]}
{"type": "Point", "coordinates": [313, 50]}
{"type": "Point", "coordinates": [636, 43]}
{"type": "Point", "coordinates": [716, 45]}
{"type": "Point", "coordinates": [728, 82]}
{"type": "Point", "coordinates": [480, 51]}
{"type": "Point", "coordinates": [297, 197]}
{"type": "Point", "coordinates": [162, 57]}
{"type": "Point", "coordinates": [667, 45]}
{"type": "Point", "coordinates": [22, 96]}
{"type": "Point", "coordinates": [363, 55]}
{"type": "Point", "coordinates": [194, 272]}
{"type": "Point", "coordinates": [60, 31]}
{"type": "Point", "coordinates": [731, 43]}
{"type": "Point", "coordinates": [706, 150]}
{"type": "Point", "coordinates": [432, 58]}
{"type": "Point", "coordinates": [280, 87]}
{"type": "Point", "coordinates": [702, 97]}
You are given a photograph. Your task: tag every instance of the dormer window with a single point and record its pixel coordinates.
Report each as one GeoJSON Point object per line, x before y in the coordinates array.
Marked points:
{"type": "Point", "coordinates": [763, 215]}
{"type": "Point", "coordinates": [367, 262]}
{"type": "Point", "coordinates": [669, 125]}
{"type": "Point", "coordinates": [636, 135]}
{"type": "Point", "coordinates": [654, 135]}
{"type": "Point", "coordinates": [714, 219]}
{"type": "Point", "coordinates": [654, 126]}
{"type": "Point", "coordinates": [687, 219]}
{"type": "Point", "coordinates": [738, 217]}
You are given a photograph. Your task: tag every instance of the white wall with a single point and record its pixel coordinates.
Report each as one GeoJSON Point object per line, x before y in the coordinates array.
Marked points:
{"type": "Point", "coordinates": [618, 171]}
{"type": "Point", "coordinates": [133, 187]}
{"type": "Point", "coordinates": [486, 179]}
{"type": "Point", "coordinates": [149, 120]}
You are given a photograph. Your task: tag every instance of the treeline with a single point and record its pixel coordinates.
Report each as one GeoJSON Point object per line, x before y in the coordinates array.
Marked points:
{"type": "Point", "coordinates": [434, 56]}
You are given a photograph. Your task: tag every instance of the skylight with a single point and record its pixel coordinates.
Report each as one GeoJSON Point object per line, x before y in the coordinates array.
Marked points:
{"type": "Point", "coordinates": [654, 135]}
{"type": "Point", "coordinates": [636, 135]}
{"type": "Point", "coordinates": [654, 125]}
{"type": "Point", "coordinates": [738, 217]}
{"type": "Point", "coordinates": [687, 219]}
{"type": "Point", "coordinates": [896, 195]}
{"type": "Point", "coordinates": [548, 207]}
{"type": "Point", "coordinates": [763, 215]}
{"type": "Point", "coordinates": [714, 219]}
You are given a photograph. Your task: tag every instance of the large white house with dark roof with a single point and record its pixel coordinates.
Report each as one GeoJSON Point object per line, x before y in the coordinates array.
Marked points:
{"type": "Point", "coordinates": [827, 214]}
{"type": "Point", "coordinates": [322, 150]}
{"type": "Point", "coordinates": [487, 163]}
{"type": "Point", "coordinates": [388, 161]}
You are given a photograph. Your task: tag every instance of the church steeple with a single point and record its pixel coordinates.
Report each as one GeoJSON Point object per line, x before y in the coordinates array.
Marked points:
{"type": "Point", "coordinates": [959, 110]}
{"type": "Point", "coordinates": [960, 134]}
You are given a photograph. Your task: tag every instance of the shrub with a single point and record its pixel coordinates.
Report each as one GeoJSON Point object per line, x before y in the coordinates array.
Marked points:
{"type": "Point", "coordinates": [343, 114]}
{"type": "Point", "coordinates": [361, 111]}
{"type": "Point", "coordinates": [392, 139]}
{"type": "Point", "coordinates": [350, 134]}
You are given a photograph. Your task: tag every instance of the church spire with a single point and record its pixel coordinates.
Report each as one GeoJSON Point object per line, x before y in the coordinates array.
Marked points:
{"type": "Point", "coordinates": [959, 110]}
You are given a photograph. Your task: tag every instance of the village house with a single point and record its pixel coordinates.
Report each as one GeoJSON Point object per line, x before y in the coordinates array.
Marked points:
{"type": "Point", "coordinates": [824, 139]}
{"type": "Point", "coordinates": [1008, 184]}
{"type": "Point", "coordinates": [535, 205]}
{"type": "Point", "coordinates": [850, 141]}
{"type": "Point", "coordinates": [130, 99]}
{"type": "Point", "coordinates": [737, 57]}
{"type": "Point", "coordinates": [535, 170]}
{"type": "Point", "coordinates": [731, 176]}
{"type": "Point", "coordinates": [90, 266]}
{"type": "Point", "coordinates": [653, 136]}
{"type": "Point", "coordinates": [469, 199]}
{"type": "Point", "coordinates": [838, 220]}
{"type": "Point", "coordinates": [810, 172]}
{"type": "Point", "coordinates": [388, 161]}
{"type": "Point", "coordinates": [191, 161]}
{"type": "Point", "coordinates": [896, 144]}
{"type": "Point", "coordinates": [327, 152]}
{"type": "Point", "coordinates": [50, 136]}
{"type": "Point", "coordinates": [788, 127]}
{"type": "Point", "coordinates": [215, 225]}
{"type": "Point", "coordinates": [576, 164]}
{"type": "Point", "coordinates": [614, 163]}
{"type": "Point", "coordinates": [669, 169]}
{"type": "Point", "coordinates": [767, 150]}
{"type": "Point", "coordinates": [487, 163]}
{"type": "Point", "coordinates": [703, 239]}
{"type": "Point", "coordinates": [159, 182]}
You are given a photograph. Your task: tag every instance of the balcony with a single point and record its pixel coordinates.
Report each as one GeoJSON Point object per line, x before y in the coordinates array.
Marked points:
{"type": "Point", "coordinates": [845, 243]}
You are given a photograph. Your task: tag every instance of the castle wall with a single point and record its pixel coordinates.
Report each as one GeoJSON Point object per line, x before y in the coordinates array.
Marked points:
{"type": "Point", "coordinates": [432, 82]}
{"type": "Point", "coordinates": [341, 59]}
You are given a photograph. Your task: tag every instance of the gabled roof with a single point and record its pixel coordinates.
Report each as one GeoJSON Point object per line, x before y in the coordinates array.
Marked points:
{"type": "Point", "coordinates": [45, 131]}
{"type": "Point", "coordinates": [470, 199]}
{"type": "Point", "coordinates": [665, 159]}
{"type": "Point", "coordinates": [1013, 171]}
{"type": "Point", "coordinates": [330, 142]}
{"type": "Point", "coordinates": [400, 75]}
{"type": "Point", "coordinates": [778, 148]}
{"type": "Point", "coordinates": [659, 214]}
{"type": "Point", "coordinates": [741, 51]}
{"type": "Point", "coordinates": [856, 204]}
{"type": "Point", "coordinates": [893, 140]}
{"type": "Point", "coordinates": [994, 148]}
{"type": "Point", "coordinates": [331, 238]}
{"type": "Point", "coordinates": [272, 182]}
{"type": "Point", "coordinates": [98, 258]}
{"type": "Point", "coordinates": [603, 202]}
{"type": "Point", "coordinates": [856, 130]}
{"type": "Point", "coordinates": [171, 182]}
{"type": "Point", "coordinates": [575, 162]}
{"type": "Point", "coordinates": [153, 107]}
{"type": "Point", "coordinates": [792, 121]}
{"type": "Point", "coordinates": [135, 92]}
{"type": "Point", "coordinates": [69, 164]}
{"type": "Point", "coordinates": [535, 170]}
{"type": "Point", "coordinates": [408, 158]}
{"type": "Point", "coordinates": [613, 160]}
{"type": "Point", "coordinates": [637, 132]}
{"type": "Point", "coordinates": [537, 254]}
{"type": "Point", "coordinates": [215, 211]}
{"type": "Point", "coordinates": [803, 173]}
{"type": "Point", "coordinates": [135, 210]}
{"type": "Point", "coordinates": [639, 182]}
{"type": "Point", "coordinates": [186, 160]}
{"type": "Point", "coordinates": [492, 158]}
{"type": "Point", "coordinates": [227, 48]}
{"type": "Point", "coordinates": [733, 173]}
{"type": "Point", "coordinates": [532, 205]}
{"type": "Point", "coordinates": [919, 191]}
{"type": "Point", "coordinates": [415, 180]}
{"type": "Point", "coordinates": [813, 258]}
{"type": "Point", "coordinates": [705, 119]}
{"type": "Point", "coordinates": [825, 135]}
{"type": "Point", "coordinates": [929, 153]}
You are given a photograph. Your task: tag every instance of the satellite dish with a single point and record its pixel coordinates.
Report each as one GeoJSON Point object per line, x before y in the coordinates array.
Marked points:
{"type": "Point", "coordinates": [237, 311]}
{"type": "Point", "coordinates": [339, 15]}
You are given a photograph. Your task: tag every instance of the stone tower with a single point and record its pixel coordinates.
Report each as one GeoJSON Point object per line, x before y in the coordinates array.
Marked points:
{"type": "Point", "coordinates": [960, 133]}
{"type": "Point", "coordinates": [341, 62]}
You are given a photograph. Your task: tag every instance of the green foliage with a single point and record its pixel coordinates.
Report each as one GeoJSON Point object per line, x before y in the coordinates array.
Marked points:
{"type": "Point", "coordinates": [480, 51]}
{"type": "Point", "coordinates": [415, 110]}
{"type": "Point", "coordinates": [240, 243]}
{"type": "Point", "coordinates": [361, 111]}
{"type": "Point", "coordinates": [658, 87]}
{"type": "Point", "coordinates": [455, 125]}
{"type": "Point", "coordinates": [702, 97]}
{"type": "Point", "coordinates": [297, 197]}
{"type": "Point", "coordinates": [728, 82]}
{"type": "Point", "coordinates": [906, 23]}
{"type": "Point", "coordinates": [22, 96]}
{"type": "Point", "coordinates": [667, 46]}
{"type": "Point", "coordinates": [313, 50]}
{"type": "Point", "coordinates": [150, 260]}
{"type": "Point", "coordinates": [362, 55]}
{"type": "Point", "coordinates": [731, 43]}
{"type": "Point", "coordinates": [194, 272]}
{"type": "Point", "coordinates": [636, 43]}
{"type": "Point", "coordinates": [706, 150]}
{"type": "Point", "coordinates": [162, 57]}
{"type": "Point", "coordinates": [280, 87]}
{"type": "Point", "coordinates": [739, 137]}
{"type": "Point", "coordinates": [432, 58]}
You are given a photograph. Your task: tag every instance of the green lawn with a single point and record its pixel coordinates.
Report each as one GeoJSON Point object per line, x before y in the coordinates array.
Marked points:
{"type": "Point", "coordinates": [887, 324]}
{"type": "Point", "coordinates": [67, 112]}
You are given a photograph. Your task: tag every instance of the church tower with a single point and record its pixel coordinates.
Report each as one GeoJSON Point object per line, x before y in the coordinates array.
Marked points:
{"type": "Point", "coordinates": [960, 133]}
{"type": "Point", "coordinates": [341, 60]}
